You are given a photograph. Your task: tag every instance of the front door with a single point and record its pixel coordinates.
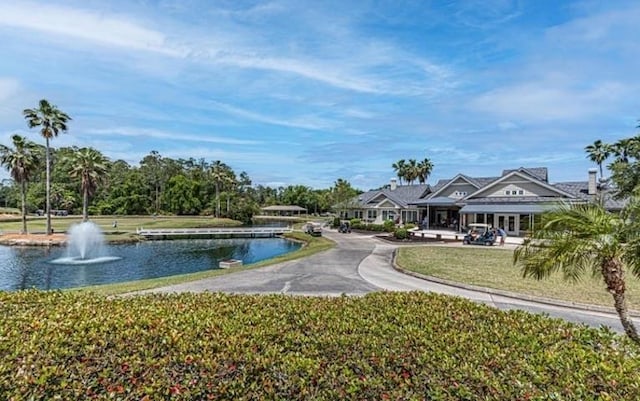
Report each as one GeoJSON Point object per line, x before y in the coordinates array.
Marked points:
{"type": "Point", "coordinates": [508, 222]}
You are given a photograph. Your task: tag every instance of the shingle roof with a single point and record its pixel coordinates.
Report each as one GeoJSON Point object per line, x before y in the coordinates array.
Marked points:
{"type": "Point", "coordinates": [402, 195]}
{"type": "Point", "coordinates": [540, 173]}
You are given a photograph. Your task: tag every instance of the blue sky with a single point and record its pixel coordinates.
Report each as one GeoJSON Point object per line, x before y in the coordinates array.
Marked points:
{"type": "Point", "coordinates": [306, 92]}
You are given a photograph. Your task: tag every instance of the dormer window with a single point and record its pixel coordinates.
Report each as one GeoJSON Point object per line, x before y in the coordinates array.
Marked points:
{"type": "Point", "coordinates": [513, 192]}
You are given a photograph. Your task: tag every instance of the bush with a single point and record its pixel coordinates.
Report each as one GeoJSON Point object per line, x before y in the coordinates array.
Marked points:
{"type": "Point", "coordinates": [389, 226]}
{"type": "Point", "coordinates": [401, 233]}
{"type": "Point", "coordinates": [409, 226]}
{"type": "Point", "coordinates": [68, 345]}
{"type": "Point", "coordinates": [336, 222]}
{"type": "Point", "coordinates": [354, 222]}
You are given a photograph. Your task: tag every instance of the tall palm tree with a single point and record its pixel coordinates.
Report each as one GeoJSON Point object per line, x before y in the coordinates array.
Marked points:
{"type": "Point", "coordinates": [624, 148]}
{"type": "Point", "coordinates": [400, 168]}
{"type": "Point", "coordinates": [21, 161]}
{"type": "Point", "coordinates": [598, 152]}
{"type": "Point", "coordinates": [53, 121]}
{"type": "Point", "coordinates": [412, 172]}
{"type": "Point", "coordinates": [575, 239]}
{"type": "Point", "coordinates": [424, 169]}
{"type": "Point", "coordinates": [91, 166]}
{"type": "Point", "coordinates": [219, 173]}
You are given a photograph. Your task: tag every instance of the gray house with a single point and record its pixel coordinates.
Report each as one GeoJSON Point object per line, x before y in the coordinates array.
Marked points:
{"type": "Point", "coordinates": [511, 200]}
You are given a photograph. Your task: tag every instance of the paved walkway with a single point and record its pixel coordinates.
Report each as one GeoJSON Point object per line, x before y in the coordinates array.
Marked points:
{"type": "Point", "coordinates": [362, 263]}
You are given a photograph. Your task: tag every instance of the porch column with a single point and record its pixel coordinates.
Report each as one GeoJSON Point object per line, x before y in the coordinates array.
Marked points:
{"type": "Point", "coordinates": [427, 217]}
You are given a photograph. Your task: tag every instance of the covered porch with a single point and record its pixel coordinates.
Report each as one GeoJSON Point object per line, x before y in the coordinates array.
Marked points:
{"type": "Point", "coordinates": [516, 219]}
{"type": "Point", "coordinates": [439, 213]}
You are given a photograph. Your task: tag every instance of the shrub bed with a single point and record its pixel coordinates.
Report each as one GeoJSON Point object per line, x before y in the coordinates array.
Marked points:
{"type": "Point", "coordinates": [395, 346]}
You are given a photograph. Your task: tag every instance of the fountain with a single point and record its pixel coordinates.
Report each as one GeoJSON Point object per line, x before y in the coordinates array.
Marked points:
{"type": "Point", "coordinates": [86, 245]}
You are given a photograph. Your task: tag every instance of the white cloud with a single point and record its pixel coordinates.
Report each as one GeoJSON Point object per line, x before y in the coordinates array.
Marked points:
{"type": "Point", "coordinates": [549, 101]}
{"type": "Point", "coordinates": [158, 134]}
{"type": "Point", "coordinates": [85, 25]}
{"type": "Point", "coordinates": [8, 88]}
{"type": "Point", "coordinates": [306, 122]}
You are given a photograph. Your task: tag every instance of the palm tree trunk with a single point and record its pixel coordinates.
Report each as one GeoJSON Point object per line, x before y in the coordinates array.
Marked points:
{"type": "Point", "coordinates": [48, 187]}
{"type": "Point", "coordinates": [613, 274]}
{"type": "Point", "coordinates": [217, 200]}
{"type": "Point", "coordinates": [24, 206]}
{"type": "Point", "coordinates": [85, 205]}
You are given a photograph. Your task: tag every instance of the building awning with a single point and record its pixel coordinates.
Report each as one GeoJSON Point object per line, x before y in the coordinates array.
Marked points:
{"type": "Point", "coordinates": [437, 201]}
{"type": "Point", "coordinates": [514, 208]}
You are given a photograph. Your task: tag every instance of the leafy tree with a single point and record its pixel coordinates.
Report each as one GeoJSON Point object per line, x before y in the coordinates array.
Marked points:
{"type": "Point", "coordinates": [181, 195]}
{"type": "Point", "coordinates": [598, 152]}
{"type": "Point", "coordinates": [91, 167]}
{"type": "Point", "coordinates": [151, 168]}
{"type": "Point", "coordinates": [21, 161]}
{"type": "Point", "coordinates": [575, 239]}
{"type": "Point", "coordinates": [343, 195]}
{"type": "Point", "coordinates": [52, 121]}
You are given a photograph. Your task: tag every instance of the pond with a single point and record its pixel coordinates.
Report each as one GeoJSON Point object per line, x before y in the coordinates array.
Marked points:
{"type": "Point", "coordinates": [31, 267]}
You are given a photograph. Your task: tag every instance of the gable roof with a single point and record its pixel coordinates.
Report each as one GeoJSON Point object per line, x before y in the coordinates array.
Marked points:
{"type": "Point", "coordinates": [446, 185]}
{"type": "Point", "coordinates": [526, 176]}
{"type": "Point", "coordinates": [540, 173]}
{"type": "Point", "coordinates": [402, 196]}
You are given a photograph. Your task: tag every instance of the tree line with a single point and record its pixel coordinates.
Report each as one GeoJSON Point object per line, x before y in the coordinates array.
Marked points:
{"type": "Point", "coordinates": [85, 181]}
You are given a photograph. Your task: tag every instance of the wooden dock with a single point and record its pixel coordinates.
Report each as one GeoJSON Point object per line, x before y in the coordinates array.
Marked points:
{"type": "Point", "coordinates": [226, 232]}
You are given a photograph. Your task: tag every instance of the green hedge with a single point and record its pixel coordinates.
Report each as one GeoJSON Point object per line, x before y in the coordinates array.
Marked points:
{"type": "Point", "coordinates": [398, 346]}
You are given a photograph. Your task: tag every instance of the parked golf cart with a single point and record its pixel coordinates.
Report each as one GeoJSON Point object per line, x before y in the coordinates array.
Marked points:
{"type": "Point", "coordinates": [479, 234]}
{"type": "Point", "coordinates": [345, 227]}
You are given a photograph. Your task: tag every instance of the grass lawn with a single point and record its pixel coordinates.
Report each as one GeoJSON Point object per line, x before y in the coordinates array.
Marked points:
{"type": "Point", "coordinates": [493, 268]}
{"type": "Point", "coordinates": [126, 224]}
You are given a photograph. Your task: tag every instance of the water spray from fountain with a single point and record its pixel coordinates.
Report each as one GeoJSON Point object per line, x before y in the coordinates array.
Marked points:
{"type": "Point", "coordinates": [86, 245]}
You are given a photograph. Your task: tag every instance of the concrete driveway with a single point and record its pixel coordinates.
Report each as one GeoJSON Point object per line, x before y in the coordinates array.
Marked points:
{"type": "Point", "coordinates": [362, 263]}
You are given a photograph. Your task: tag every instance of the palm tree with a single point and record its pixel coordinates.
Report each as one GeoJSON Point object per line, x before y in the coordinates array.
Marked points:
{"type": "Point", "coordinates": [412, 172]}
{"type": "Point", "coordinates": [424, 168]}
{"type": "Point", "coordinates": [219, 172]}
{"type": "Point", "coordinates": [21, 161]}
{"type": "Point", "coordinates": [624, 148]}
{"type": "Point", "coordinates": [598, 152]}
{"type": "Point", "coordinates": [400, 168]}
{"type": "Point", "coordinates": [91, 166]}
{"type": "Point", "coordinates": [53, 121]}
{"type": "Point", "coordinates": [574, 239]}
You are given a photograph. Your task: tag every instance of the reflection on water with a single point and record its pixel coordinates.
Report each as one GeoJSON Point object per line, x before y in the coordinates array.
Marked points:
{"type": "Point", "coordinates": [31, 267]}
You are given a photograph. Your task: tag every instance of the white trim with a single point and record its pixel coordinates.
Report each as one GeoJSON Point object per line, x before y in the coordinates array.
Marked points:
{"type": "Point", "coordinates": [528, 179]}
{"type": "Point", "coordinates": [452, 182]}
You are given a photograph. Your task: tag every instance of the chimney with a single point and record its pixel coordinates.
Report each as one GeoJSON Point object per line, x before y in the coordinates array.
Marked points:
{"type": "Point", "coordinates": [592, 187]}
{"type": "Point", "coordinates": [394, 184]}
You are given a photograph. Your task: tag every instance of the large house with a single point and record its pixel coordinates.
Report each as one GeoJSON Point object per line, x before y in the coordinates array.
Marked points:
{"type": "Point", "coordinates": [511, 201]}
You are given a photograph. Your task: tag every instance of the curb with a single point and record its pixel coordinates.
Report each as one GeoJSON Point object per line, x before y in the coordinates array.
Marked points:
{"type": "Point", "coordinates": [509, 294]}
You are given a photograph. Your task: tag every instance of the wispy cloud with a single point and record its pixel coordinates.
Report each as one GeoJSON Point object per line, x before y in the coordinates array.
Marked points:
{"type": "Point", "coordinates": [86, 25]}
{"type": "Point", "coordinates": [159, 134]}
{"type": "Point", "coordinates": [309, 122]}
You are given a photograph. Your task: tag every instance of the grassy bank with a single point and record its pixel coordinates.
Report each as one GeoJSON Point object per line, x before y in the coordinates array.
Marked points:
{"type": "Point", "coordinates": [396, 346]}
{"type": "Point", "coordinates": [311, 246]}
{"type": "Point", "coordinates": [125, 224]}
{"type": "Point", "coordinates": [493, 268]}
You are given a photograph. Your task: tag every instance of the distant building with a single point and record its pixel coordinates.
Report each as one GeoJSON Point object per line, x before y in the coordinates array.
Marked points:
{"type": "Point", "coordinates": [511, 200]}
{"type": "Point", "coordinates": [283, 210]}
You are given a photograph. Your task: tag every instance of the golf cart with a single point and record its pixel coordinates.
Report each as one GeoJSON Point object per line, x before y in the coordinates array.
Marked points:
{"type": "Point", "coordinates": [345, 227]}
{"type": "Point", "coordinates": [479, 234]}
